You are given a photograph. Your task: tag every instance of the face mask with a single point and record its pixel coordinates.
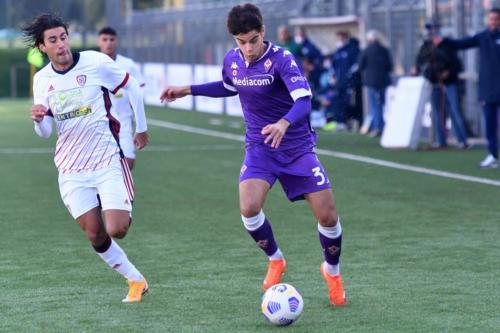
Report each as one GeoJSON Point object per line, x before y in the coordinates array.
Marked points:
{"type": "Point", "coordinates": [339, 44]}
{"type": "Point", "coordinates": [299, 39]}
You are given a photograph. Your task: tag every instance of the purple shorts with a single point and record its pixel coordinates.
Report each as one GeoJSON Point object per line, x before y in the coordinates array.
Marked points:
{"type": "Point", "coordinates": [298, 172]}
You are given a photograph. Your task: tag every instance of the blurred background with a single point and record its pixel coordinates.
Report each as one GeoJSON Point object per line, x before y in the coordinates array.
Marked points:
{"type": "Point", "coordinates": [194, 32]}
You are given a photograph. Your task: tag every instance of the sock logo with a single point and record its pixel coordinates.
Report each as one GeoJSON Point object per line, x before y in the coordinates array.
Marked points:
{"type": "Point", "coordinates": [262, 243]}
{"type": "Point", "coordinates": [116, 266]}
{"type": "Point", "coordinates": [333, 250]}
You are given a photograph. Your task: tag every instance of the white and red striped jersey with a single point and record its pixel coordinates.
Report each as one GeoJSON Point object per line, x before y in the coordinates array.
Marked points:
{"type": "Point", "coordinates": [120, 100]}
{"type": "Point", "coordinates": [78, 99]}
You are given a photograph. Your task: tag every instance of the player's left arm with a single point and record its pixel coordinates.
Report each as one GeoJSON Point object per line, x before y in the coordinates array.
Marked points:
{"type": "Point", "coordinates": [300, 92]}
{"type": "Point", "coordinates": [114, 79]}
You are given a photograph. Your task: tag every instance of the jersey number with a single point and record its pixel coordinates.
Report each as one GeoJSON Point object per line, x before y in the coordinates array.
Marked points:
{"type": "Point", "coordinates": [318, 173]}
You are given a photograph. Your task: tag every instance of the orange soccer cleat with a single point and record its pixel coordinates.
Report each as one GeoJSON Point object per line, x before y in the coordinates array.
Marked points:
{"type": "Point", "coordinates": [335, 288]}
{"type": "Point", "coordinates": [275, 269]}
{"type": "Point", "coordinates": [136, 290]}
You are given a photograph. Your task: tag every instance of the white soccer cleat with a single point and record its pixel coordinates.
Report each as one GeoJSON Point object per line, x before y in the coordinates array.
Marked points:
{"type": "Point", "coordinates": [489, 162]}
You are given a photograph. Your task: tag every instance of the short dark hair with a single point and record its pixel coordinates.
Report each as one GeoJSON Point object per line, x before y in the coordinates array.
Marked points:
{"type": "Point", "coordinates": [495, 10]}
{"type": "Point", "coordinates": [244, 18]}
{"type": "Point", "coordinates": [33, 32]}
{"type": "Point", "coordinates": [107, 31]}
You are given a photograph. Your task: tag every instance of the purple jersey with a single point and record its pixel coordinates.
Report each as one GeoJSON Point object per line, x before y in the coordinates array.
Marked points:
{"type": "Point", "coordinates": [267, 89]}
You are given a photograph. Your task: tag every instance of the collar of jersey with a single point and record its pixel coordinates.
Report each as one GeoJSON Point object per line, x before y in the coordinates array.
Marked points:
{"type": "Point", "coordinates": [76, 57]}
{"type": "Point", "coordinates": [269, 45]}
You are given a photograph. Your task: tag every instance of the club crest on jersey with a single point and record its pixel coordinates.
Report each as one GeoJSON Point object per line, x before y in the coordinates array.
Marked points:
{"type": "Point", "coordinates": [81, 79]}
{"type": "Point", "coordinates": [268, 64]}
{"type": "Point", "coordinates": [234, 67]}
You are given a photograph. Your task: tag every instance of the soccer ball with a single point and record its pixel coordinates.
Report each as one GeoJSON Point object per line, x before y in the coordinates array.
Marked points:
{"type": "Point", "coordinates": [282, 304]}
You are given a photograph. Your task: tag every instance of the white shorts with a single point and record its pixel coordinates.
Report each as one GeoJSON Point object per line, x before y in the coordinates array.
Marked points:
{"type": "Point", "coordinates": [113, 184]}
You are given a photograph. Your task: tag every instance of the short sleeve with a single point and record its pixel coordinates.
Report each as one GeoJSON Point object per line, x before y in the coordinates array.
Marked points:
{"type": "Point", "coordinates": [293, 78]}
{"type": "Point", "coordinates": [39, 93]}
{"type": "Point", "coordinates": [226, 79]}
{"type": "Point", "coordinates": [112, 77]}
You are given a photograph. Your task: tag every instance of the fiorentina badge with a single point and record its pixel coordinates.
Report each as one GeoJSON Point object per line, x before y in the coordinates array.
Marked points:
{"type": "Point", "coordinates": [81, 79]}
{"type": "Point", "coordinates": [268, 64]}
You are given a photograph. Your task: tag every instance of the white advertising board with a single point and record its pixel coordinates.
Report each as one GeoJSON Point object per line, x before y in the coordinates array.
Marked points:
{"type": "Point", "coordinates": [205, 74]}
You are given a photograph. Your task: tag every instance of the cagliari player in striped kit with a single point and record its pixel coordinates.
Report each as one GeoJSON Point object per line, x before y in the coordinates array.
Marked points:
{"type": "Point", "coordinates": [94, 180]}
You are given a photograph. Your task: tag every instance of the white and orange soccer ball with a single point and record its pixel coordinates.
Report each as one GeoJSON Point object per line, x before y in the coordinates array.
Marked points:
{"type": "Point", "coordinates": [282, 304]}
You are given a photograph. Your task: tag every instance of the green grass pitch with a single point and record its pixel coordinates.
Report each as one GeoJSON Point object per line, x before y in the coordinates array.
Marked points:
{"type": "Point", "coordinates": [421, 253]}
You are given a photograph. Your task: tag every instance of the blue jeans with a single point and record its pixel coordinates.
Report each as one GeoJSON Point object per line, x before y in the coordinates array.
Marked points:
{"type": "Point", "coordinates": [491, 120]}
{"type": "Point", "coordinates": [376, 101]}
{"type": "Point", "coordinates": [443, 96]}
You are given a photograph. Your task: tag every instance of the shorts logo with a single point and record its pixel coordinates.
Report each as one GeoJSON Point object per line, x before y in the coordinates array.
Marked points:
{"type": "Point", "coordinates": [81, 79]}
{"type": "Point", "coordinates": [243, 169]}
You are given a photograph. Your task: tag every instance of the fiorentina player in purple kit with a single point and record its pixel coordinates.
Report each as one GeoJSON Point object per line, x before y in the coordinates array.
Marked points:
{"type": "Point", "coordinates": [276, 102]}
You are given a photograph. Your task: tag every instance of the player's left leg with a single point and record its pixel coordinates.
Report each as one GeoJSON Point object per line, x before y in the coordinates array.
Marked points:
{"type": "Point", "coordinates": [322, 205]}
{"type": "Point", "coordinates": [115, 188]}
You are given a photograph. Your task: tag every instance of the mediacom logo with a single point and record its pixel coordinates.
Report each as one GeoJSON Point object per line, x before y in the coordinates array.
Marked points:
{"type": "Point", "coordinates": [255, 80]}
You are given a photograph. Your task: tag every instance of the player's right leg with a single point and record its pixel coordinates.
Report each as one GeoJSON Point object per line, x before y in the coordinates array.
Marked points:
{"type": "Point", "coordinates": [252, 196]}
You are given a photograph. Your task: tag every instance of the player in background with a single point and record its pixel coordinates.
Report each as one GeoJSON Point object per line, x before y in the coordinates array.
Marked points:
{"type": "Point", "coordinates": [108, 43]}
{"type": "Point", "coordinates": [94, 181]}
{"type": "Point", "coordinates": [276, 102]}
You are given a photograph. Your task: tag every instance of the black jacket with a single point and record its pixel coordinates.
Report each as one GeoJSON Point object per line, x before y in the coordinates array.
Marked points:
{"type": "Point", "coordinates": [489, 57]}
{"type": "Point", "coordinates": [375, 65]}
{"type": "Point", "coordinates": [438, 64]}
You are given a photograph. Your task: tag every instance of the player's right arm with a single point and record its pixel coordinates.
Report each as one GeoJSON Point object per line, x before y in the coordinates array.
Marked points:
{"type": "Point", "coordinates": [40, 113]}
{"type": "Point", "coordinates": [458, 44]}
{"type": "Point", "coordinates": [211, 89]}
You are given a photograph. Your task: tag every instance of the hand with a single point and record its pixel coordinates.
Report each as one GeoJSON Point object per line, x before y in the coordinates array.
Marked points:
{"type": "Point", "coordinates": [171, 93]}
{"type": "Point", "coordinates": [38, 112]}
{"type": "Point", "coordinates": [275, 132]}
{"type": "Point", "coordinates": [436, 40]}
{"type": "Point", "coordinates": [141, 140]}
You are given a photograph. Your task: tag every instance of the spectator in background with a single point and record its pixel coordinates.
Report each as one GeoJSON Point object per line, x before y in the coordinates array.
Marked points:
{"type": "Point", "coordinates": [375, 65]}
{"type": "Point", "coordinates": [286, 41]}
{"type": "Point", "coordinates": [441, 66]}
{"type": "Point", "coordinates": [343, 65]}
{"type": "Point", "coordinates": [311, 60]}
{"type": "Point", "coordinates": [488, 42]}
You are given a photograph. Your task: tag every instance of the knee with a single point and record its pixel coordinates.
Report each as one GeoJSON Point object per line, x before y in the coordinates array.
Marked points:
{"type": "Point", "coordinates": [117, 231]}
{"type": "Point", "coordinates": [328, 218]}
{"type": "Point", "coordinates": [250, 210]}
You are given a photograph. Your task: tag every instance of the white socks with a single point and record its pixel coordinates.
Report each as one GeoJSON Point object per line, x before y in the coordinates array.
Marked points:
{"type": "Point", "coordinates": [116, 258]}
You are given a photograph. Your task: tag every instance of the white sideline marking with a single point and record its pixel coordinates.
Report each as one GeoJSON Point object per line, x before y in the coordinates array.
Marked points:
{"type": "Point", "coordinates": [346, 156]}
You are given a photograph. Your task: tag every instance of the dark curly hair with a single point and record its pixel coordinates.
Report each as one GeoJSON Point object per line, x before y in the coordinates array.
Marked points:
{"type": "Point", "coordinates": [33, 32]}
{"type": "Point", "coordinates": [244, 18]}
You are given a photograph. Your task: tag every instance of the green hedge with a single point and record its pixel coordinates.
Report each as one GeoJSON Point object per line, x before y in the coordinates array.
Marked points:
{"type": "Point", "coordinates": [17, 58]}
